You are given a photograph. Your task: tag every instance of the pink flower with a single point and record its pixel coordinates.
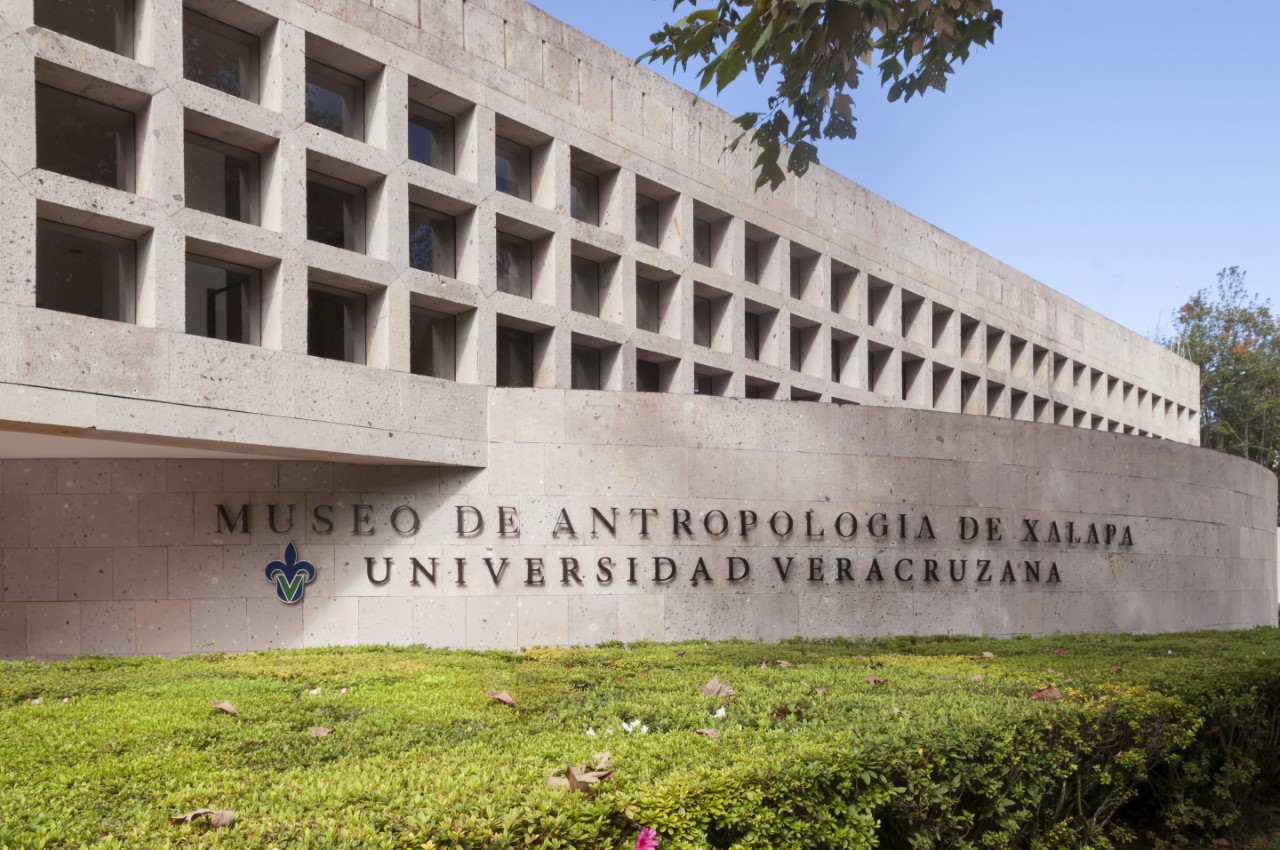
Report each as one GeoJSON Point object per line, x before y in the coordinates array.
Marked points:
{"type": "Point", "coordinates": [647, 839]}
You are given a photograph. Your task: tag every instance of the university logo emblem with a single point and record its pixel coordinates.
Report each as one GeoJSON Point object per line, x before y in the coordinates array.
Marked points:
{"type": "Point", "coordinates": [291, 575]}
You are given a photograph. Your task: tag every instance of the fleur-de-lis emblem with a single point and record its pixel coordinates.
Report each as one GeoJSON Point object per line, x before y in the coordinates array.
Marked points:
{"type": "Point", "coordinates": [291, 575]}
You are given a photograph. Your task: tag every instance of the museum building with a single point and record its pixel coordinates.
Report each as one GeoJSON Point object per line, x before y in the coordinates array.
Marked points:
{"type": "Point", "coordinates": [437, 322]}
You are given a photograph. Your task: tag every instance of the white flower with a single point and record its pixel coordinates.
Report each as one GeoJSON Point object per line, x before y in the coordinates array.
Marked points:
{"type": "Point", "coordinates": [608, 731]}
{"type": "Point", "coordinates": [644, 730]}
{"type": "Point", "coordinates": [627, 727]}
{"type": "Point", "coordinates": [591, 733]}
{"type": "Point", "coordinates": [719, 712]}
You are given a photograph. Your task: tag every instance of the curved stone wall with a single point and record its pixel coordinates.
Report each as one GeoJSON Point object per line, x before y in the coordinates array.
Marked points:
{"type": "Point", "coordinates": [605, 516]}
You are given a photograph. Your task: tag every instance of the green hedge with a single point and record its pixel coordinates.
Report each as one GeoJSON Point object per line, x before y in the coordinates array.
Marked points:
{"type": "Point", "coordinates": [1166, 735]}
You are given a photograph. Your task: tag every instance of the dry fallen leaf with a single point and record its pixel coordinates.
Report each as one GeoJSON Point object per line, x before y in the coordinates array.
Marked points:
{"type": "Point", "coordinates": [66, 700]}
{"type": "Point", "coordinates": [986, 656]}
{"type": "Point", "coordinates": [37, 701]}
{"type": "Point", "coordinates": [877, 680]}
{"type": "Point", "coordinates": [764, 665]}
{"type": "Point", "coordinates": [218, 818]}
{"type": "Point", "coordinates": [710, 733]}
{"type": "Point", "coordinates": [319, 731]}
{"type": "Point", "coordinates": [784, 664]}
{"type": "Point", "coordinates": [502, 696]}
{"type": "Point", "coordinates": [978, 677]}
{"type": "Point", "coordinates": [781, 712]}
{"type": "Point", "coordinates": [1115, 668]}
{"type": "Point", "coordinates": [313, 692]}
{"type": "Point", "coordinates": [1047, 693]}
{"type": "Point", "coordinates": [580, 777]}
{"type": "Point", "coordinates": [681, 654]}
{"type": "Point", "coordinates": [717, 688]}
{"type": "Point", "coordinates": [225, 706]}
{"type": "Point", "coordinates": [1050, 671]}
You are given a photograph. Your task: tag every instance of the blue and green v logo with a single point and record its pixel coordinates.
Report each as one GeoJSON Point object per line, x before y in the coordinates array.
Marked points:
{"type": "Point", "coordinates": [291, 575]}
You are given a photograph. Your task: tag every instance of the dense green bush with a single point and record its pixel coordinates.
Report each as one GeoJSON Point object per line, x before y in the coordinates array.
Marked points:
{"type": "Point", "coordinates": [1169, 735]}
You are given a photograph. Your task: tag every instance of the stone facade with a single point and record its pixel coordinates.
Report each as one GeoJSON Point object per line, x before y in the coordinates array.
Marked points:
{"type": "Point", "coordinates": [958, 387]}
{"type": "Point", "coordinates": [131, 556]}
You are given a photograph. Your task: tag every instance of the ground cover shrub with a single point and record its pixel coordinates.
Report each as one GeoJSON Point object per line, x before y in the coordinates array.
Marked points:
{"type": "Point", "coordinates": [1061, 742]}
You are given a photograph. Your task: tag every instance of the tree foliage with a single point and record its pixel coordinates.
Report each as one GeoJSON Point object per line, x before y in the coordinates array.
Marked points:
{"type": "Point", "coordinates": [1234, 337]}
{"type": "Point", "coordinates": [820, 49]}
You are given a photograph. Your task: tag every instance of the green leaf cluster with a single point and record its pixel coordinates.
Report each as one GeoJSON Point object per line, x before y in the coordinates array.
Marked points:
{"type": "Point", "coordinates": [1169, 733]}
{"type": "Point", "coordinates": [1234, 337]}
{"type": "Point", "coordinates": [820, 49]}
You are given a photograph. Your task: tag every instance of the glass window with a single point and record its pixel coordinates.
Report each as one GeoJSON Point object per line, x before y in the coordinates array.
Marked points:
{"type": "Point", "coordinates": [584, 196]}
{"type": "Point", "coordinates": [515, 265]}
{"type": "Point", "coordinates": [515, 358]}
{"type": "Point", "coordinates": [335, 324]}
{"type": "Point", "coordinates": [335, 100]}
{"type": "Point", "coordinates": [703, 385]}
{"type": "Point", "coordinates": [222, 300]}
{"type": "Point", "coordinates": [797, 277]}
{"type": "Point", "coordinates": [335, 212]}
{"type": "Point", "coordinates": [753, 391]}
{"type": "Point", "coordinates": [702, 242]}
{"type": "Point", "coordinates": [432, 241]}
{"type": "Point", "coordinates": [648, 376]}
{"type": "Point", "coordinates": [752, 269]}
{"type": "Point", "coordinates": [797, 354]}
{"type": "Point", "coordinates": [648, 305]}
{"type": "Point", "coordinates": [585, 367]}
{"type": "Point", "coordinates": [432, 343]}
{"type": "Point", "coordinates": [83, 138]}
{"type": "Point", "coordinates": [701, 320]}
{"type": "Point", "coordinates": [514, 169]}
{"type": "Point", "coordinates": [219, 56]}
{"type": "Point", "coordinates": [221, 179]}
{"type": "Point", "coordinates": [430, 137]}
{"type": "Point", "coordinates": [753, 336]}
{"type": "Point", "coordinates": [103, 23]}
{"type": "Point", "coordinates": [647, 221]}
{"type": "Point", "coordinates": [586, 286]}
{"type": "Point", "coordinates": [84, 272]}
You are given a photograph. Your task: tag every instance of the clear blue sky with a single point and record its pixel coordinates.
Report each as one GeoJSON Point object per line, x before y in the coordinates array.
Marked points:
{"type": "Point", "coordinates": [1120, 151]}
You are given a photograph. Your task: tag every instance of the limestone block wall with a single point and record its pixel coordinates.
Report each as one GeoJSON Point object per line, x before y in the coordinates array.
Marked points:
{"type": "Point", "coordinates": [858, 301]}
{"type": "Point", "coordinates": [1031, 529]}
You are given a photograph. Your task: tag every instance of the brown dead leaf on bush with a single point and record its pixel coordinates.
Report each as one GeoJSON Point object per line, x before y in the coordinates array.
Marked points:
{"type": "Point", "coordinates": [319, 731]}
{"type": "Point", "coordinates": [37, 701]}
{"type": "Point", "coordinates": [764, 665]}
{"type": "Point", "coordinates": [710, 733]}
{"type": "Point", "coordinates": [986, 656]}
{"type": "Point", "coordinates": [717, 688]}
{"type": "Point", "coordinates": [877, 680]}
{"type": "Point", "coordinates": [1047, 693]}
{"type": "Point", "coordinates": [225, 706]}
{"type": "Point", "coordinates": [579, 777]}
{"type": "Point", "coordinates": [781, 712]}
{"type": "Point", "coordinates": [218, 818]}
{"type": "Point", "coordinates": [978, 677]}
{"type": "Point", "coordinates": [1050, 671]}
{"type": "Point", "coordinates": [784, 664]}
{"type": "Point", "coordinates": [818, 690]}
{"type": "Point", "coordinates": [502, 697]}
{"type": "Point", "coordinates": [1115, 668]}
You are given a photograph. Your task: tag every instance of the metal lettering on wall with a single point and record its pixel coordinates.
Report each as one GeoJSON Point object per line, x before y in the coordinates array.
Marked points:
{"type": "Point", "coordinates": [973, 537]}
